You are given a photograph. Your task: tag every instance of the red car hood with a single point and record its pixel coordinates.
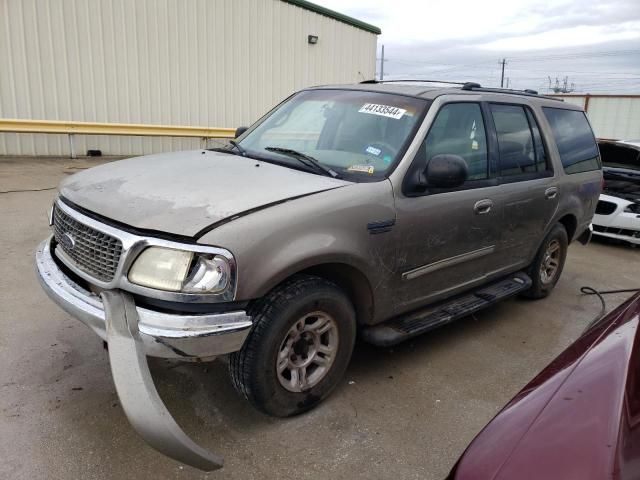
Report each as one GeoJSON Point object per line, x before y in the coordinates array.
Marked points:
{"type": "Point", "coordinates": [578, 419]}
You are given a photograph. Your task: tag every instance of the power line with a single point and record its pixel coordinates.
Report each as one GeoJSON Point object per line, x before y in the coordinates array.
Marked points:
{"type": "Point", "coordinates": [524, 58]}
{"type": "Point", "coordinates": [612, 53]}
{"type": "Point", "coordinates": [485, 71]}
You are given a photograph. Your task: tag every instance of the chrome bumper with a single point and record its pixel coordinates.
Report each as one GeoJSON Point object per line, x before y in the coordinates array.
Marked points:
{"type": "Point", "coordinates": [182, 336]}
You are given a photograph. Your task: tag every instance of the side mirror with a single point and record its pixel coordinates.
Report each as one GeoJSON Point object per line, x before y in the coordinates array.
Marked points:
{"type": "Point", "coordinates": [240, 131]}
{"type": "Point", "coordinates": [445, 171]}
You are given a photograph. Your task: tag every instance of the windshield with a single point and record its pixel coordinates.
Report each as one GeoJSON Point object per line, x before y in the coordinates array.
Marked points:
{"type": "Point", "coordinates": [359, 135]}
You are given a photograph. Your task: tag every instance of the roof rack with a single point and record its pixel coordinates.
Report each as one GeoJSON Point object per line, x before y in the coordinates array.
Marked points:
{"type": "Point", "coordinates": [470, 86]}
{"type": "Point", "coordinates": [412, 80]}
{"type": "Point", "coordinates": [476, 87]}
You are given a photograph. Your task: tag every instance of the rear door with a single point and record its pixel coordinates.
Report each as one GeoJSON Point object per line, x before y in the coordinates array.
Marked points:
{"type": "Point", "coordinates": [528, 189]}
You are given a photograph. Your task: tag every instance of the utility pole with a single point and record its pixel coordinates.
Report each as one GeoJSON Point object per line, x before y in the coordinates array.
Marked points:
{"type": "Point", "coordinates": [503, 62]}
{"type": "Point", "coordinates": [382, 60]}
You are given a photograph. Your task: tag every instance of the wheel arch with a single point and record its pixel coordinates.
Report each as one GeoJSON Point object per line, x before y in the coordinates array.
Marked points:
{"type": "Point", "coordinates": [355, 284]}
{"type": "Point", "coordinates": [570, 224]}
{"type": "Point", "coordinates": [349, 278]}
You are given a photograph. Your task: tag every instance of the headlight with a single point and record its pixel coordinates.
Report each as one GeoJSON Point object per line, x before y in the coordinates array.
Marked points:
{"type": "Point", "coordinates": [161, 268]}
{"type": "Point", "coordinates": [180, 271]}
{"type": "Point", "coordinates": [633, 208]}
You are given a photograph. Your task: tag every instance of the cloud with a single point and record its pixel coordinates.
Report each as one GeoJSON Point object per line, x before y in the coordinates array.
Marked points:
{"type": "Point", "coordinates": [596, 43]}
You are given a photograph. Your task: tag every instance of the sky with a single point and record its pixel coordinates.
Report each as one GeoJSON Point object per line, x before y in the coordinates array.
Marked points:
{"type": "Point", "coordinates": [595, 43]}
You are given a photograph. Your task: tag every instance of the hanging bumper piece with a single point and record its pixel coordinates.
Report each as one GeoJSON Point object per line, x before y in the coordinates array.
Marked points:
{"type": "Point", "coordinates": [138, 396]}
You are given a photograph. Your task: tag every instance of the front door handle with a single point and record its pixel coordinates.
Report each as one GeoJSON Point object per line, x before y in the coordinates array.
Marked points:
{"type": "Point", "coordinates": [482, 206]}
{"type": "Point", "coordinates": [551, 192]}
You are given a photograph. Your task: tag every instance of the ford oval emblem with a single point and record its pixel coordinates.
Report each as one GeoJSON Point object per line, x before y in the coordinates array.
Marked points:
{"type": "Point", "coordinates": [67, 241]}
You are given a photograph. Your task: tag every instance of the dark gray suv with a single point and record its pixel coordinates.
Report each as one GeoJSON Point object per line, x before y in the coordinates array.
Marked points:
{"type": "Point", "coordinates": [383, 209]}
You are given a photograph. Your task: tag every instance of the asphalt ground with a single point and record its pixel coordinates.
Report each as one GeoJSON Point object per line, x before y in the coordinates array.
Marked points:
{"type": "Point", "coordinates": [402, 413]}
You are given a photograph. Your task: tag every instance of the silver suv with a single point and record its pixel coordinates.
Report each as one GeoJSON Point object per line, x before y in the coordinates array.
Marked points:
{"type": "Point", "coordinates": [379, 209]}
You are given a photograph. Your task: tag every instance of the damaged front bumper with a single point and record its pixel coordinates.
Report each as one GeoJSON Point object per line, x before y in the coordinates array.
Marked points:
{"type": "Point", "coordinates": [133, 333]}
{"type": "Point", "coordinates": [165, 335]}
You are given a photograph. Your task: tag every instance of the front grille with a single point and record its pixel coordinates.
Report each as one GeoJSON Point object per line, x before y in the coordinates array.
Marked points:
{"type": "Point", "coordinates": [627, 232]}
{"type": "Point", "coordinates": [93, 252]}
{"type": "Point", "coordinates": [605, 208]}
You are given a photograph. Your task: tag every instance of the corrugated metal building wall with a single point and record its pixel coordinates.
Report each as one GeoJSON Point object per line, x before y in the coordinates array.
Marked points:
{"type": "Point", "coordinates": [611, 116]}
{"type": "Point", "coordinates": [217, 63]}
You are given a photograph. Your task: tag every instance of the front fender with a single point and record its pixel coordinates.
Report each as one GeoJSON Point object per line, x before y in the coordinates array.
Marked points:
{"type": "Point", "coordinates": [327, 227]}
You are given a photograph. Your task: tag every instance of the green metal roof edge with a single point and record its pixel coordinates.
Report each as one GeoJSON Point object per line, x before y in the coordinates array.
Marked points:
{"type": "Point", "coordinates": [354, 22]}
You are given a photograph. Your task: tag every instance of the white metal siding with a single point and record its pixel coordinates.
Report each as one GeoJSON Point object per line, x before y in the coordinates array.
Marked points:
{"type": "Point", "coordinates": [614, 117]}
{"type": "Point", "coordinates": [617, 118]}
{"type": "Point", "coordinates": [217, 63]}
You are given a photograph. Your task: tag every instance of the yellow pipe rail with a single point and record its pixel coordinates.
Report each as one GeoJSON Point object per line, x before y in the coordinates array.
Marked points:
{"type": "Point", "coordinates": [17, 125]}
{"type": "Point", "coordinates": [91, 128]}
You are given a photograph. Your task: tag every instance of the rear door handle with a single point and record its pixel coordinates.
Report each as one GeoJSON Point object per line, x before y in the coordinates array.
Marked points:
{"type": "Point", "coordinates": [551, 192]}
{"type": "Point", "coordinates": [482, 206]}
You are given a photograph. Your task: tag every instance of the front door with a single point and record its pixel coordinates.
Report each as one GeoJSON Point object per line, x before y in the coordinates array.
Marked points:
{"type": "Point", "coordinates": [447, 239]}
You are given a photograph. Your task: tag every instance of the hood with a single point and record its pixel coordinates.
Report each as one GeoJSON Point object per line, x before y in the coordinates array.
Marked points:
{"type": "Point", "coordinates": [621, 169]}
{"type": "Point", "coordinates": [185, 192]}
{"type": "Point", "coordinates": [621, 182]}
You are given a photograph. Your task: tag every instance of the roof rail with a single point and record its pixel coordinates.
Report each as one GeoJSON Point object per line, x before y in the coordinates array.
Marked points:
{"type": "Point", "coordinates": [412, 80]}
{"type": "Point", "coordinates": [470, 86]}
{"type": "Point", "coordinates": [476, 87]}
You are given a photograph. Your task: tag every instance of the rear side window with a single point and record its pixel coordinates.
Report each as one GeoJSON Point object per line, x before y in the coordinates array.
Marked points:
{"type": "Point", "coordinates": [574, 138]}
{"type": "Point", "coordinates": [519, 141]}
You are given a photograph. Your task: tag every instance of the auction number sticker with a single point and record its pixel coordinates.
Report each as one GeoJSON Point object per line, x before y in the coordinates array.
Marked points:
{"type": "Point", "coordinates": [362, 168]}
{"type": "Point", "coordinates": [382, 110]}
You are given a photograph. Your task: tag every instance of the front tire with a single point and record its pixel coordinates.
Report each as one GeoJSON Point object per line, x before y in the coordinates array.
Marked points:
{"type": "Point", "coordinates": [298, 349]}
{"type": "Point", "coordinates": [547, 266]}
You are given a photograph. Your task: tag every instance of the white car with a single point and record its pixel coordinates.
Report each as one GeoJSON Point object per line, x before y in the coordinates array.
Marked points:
{"type": "Point", "coordinates": [618, 210]}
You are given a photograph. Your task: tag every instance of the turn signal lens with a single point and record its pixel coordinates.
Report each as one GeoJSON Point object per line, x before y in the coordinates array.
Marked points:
{"type": "Point", "coordinates": [208, 275]}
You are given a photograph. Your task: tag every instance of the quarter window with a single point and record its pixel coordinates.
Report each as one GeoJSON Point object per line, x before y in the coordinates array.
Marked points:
{"type": "Point", "coordinates": [458, 129]}
{"type": "Point", "coordinates": [521, 151]}
{"type": "Point", "coordinates": [574, 138]}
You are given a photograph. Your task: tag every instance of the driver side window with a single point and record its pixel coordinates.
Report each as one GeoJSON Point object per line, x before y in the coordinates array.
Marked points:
{"type": "Point", "coordinates": [458, 129]}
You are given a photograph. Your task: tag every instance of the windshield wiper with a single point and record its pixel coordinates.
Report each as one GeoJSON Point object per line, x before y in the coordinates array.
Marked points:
{"type": "Point", "coordinates": [223, 150]}
{"type": "Point", "coordinates": [242, 151]}
{"type": "Point", "coordinates": [305, 159]}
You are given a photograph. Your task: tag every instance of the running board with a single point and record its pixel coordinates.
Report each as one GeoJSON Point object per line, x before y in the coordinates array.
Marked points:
{"type": "Point", "coordinates": [402, 328]}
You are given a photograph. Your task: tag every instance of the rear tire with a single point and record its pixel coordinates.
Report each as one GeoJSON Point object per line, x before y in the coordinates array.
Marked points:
{"type": "Point", "coordinates": [547, 266]}
{"type": "Point", "coordinates": [298, 349]}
